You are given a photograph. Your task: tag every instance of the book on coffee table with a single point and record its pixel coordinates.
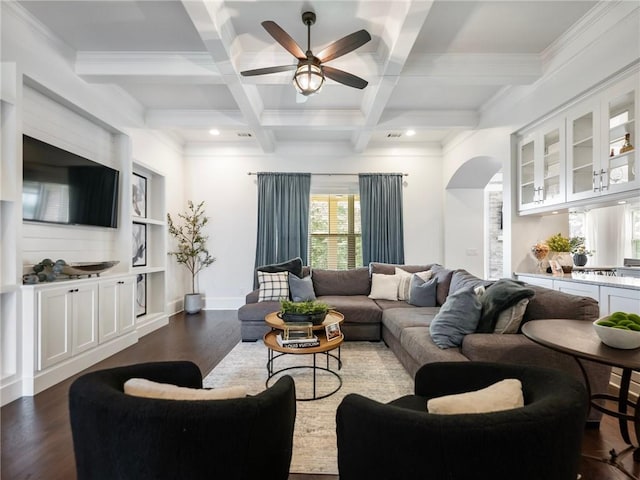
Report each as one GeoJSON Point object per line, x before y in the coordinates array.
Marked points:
{"type": "Point", "coordinates": [298, 343]}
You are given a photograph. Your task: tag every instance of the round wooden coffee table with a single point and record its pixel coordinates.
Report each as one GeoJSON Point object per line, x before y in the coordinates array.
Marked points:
{"type": "Point", "coordinates": [578, 339]}
{"type": "Point", "coordinates": [326, 347]}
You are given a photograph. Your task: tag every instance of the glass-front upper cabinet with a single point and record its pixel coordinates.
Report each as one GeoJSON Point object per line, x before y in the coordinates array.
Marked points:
{"type": "Point", "coordinates": [619, 159]}
{"type": "Point", "coordinates": [541, 167]}
{"type": "Point", "coordinates": [582, 151]}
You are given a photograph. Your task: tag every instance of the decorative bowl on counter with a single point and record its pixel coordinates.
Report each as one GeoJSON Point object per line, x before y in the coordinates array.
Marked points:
{"type": "Point", "coordinates": [616, 337]}
{"type": "Point", "coordinates": [88, 268]}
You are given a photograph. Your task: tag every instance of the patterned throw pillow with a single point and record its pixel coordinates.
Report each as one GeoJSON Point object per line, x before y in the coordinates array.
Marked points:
{"type": "Point", "coordinates": [273, 286]}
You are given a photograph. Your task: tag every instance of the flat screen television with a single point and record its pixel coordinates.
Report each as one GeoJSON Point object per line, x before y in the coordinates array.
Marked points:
{"type": "Point", "coordinates": [65, 188]}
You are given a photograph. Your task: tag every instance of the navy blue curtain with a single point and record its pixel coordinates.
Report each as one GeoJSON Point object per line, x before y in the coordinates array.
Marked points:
{"type": "Point", "coordinates": [381, 215]}
{"type": "Point", "coordinates": [283, 217]}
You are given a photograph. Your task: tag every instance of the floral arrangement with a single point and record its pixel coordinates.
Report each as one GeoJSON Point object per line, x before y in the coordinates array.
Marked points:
{"type": "Point", "coordinates": [578, 247]}
{"type": "Point", "coordinates": [559, 243]}
{"type": "Point", "coordinates": [540, 251]}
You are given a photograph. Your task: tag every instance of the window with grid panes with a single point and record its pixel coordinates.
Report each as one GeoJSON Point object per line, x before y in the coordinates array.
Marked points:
{"type": "Point", "coordinates": [335, 240]}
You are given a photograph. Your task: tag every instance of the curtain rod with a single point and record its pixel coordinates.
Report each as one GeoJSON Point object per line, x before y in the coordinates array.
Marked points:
{"type": "Point", "coordinates": [336, 174]}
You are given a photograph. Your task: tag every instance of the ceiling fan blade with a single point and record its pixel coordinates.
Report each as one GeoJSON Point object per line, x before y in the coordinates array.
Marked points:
{"type": "Point", "coordinates": [343, 77]}
{"type": "Point", "coordinates": [284, 39]}
{"type": "Point", "coordinates": [265, 71]}
{"type": "Point", "coordinates": [344, 45]}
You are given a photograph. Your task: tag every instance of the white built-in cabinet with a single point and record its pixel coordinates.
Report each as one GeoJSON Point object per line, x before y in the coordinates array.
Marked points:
{"type": "Point", "coordinates": [541, 161]}
{"type": "Point", "coordinates": [71, 324]}
{"type": "Point", "coordinates": [67, 322]}
{"type": "Point", "coordinates": [574, 157]}
{"type": "Point", "coordinates": [116, 314]}
{"type": "Point", "coordinates": [50, 331]}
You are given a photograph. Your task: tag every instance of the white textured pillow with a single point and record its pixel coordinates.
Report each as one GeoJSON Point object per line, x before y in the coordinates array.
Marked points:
{"type": "Point", "coordinates": [384, 287]}
{"type": "Point", "coordinates": [141, 387]}
{"type": "Point", "coordinates": [405, 281]}
{"type": "Point", "coordinates": [509, 320]}
{"type": "Point", "coordinates": [273, 286]}
{"type": "Point", "coordinates": [504, 395]}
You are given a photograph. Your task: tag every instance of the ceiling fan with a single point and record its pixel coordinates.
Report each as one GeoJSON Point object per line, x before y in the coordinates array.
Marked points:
{"type": "Point", "coordinates": [310, 70]}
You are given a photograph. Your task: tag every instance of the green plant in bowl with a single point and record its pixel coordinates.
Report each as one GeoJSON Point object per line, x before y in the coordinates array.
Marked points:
{"type": "Point", "coordinates": [308, 311]}
{"type": "Point", "coordinates": [619, 330]}
{"type": "Point", "coordinates": [558, 243]}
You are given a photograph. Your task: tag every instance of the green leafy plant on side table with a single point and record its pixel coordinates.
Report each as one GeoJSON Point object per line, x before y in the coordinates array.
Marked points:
{"type": "Point", "coordinates": [192, 249]}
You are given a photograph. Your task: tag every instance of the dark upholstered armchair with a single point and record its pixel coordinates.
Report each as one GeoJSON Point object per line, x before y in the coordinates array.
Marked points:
{"type": "Point", "coordinates": [401, 440]}
{"type": "Point", "coordinates": [118, 436]}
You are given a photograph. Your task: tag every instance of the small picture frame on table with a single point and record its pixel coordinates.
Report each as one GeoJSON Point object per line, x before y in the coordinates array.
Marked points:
{"type": "Point", "coordinates": [141, 294]}
{"type": "Point", "coordinates": [556, 268]}
{"type": "Point", "coordinates": [333, 331]}
{"type": "Point", "coordinates": [139, 245]}
{"type": "Point", "coordinates": [139, 195]}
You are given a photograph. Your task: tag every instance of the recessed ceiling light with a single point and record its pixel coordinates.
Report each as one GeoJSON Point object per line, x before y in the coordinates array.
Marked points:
{"type": "Point", "coordinates": [554, 212]}
{"type": "Point", "coordinates": [410, 133]}
{"type": "Point", "coordinates": [622, 202]}
{"type": "Point", "coordinates": [214, 131]}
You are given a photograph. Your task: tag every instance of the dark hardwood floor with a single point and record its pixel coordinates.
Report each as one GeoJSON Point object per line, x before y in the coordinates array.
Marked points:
{"type": "Point", "coordinates": [36, 438]}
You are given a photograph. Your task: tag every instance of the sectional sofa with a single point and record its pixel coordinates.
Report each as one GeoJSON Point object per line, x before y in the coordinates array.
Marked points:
{"type": "Point", "coordinates": [405, 328]}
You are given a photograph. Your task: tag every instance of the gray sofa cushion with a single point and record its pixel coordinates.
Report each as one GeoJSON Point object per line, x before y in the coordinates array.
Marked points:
{"type": "Point", "coordinates": [386, 304]}
{"type": "Point", "coordinates": [341, 282]}
{"type": "Point", "coordinates": [443, 276]}
{"type": "Point", "coordinates": [418, 344]}
{"type": "Point", "coordinates": [461, 279]}
{"type": "Point", "coordinates": [548, 303]}
{"type": "Point", "coordinates": [397, 319]}
{"type": "Point", "coordinates": [458, 317]}
{"type": "Point", "coordinates": [355, 308]}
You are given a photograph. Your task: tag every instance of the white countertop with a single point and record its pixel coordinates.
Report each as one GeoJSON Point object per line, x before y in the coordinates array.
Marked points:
{"type": "Point", "coordinates": [632, 283]}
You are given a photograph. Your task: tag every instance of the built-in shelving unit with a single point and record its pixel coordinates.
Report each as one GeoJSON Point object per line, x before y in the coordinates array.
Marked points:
{"type": "Point", "coordinates": [52, 330]}
{"type": "Point", "coordinates": [150, 277]}
{"type": "Point", "coordinates": [10, 227]}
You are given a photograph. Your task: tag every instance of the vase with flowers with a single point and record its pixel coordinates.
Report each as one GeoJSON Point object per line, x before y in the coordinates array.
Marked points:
{"type": "Point", "coordinates": [579, 251]}
{"type": "Point", "coordinates": [560, 247]}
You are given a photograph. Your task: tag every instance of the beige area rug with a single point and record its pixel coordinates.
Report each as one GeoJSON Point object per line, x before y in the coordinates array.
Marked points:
{"type": "Point", "coordinates": [370, 369]}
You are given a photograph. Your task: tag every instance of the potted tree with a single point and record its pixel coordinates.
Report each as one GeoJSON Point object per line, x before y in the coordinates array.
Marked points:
{"type": "Point", "coordinates": [191, 249]}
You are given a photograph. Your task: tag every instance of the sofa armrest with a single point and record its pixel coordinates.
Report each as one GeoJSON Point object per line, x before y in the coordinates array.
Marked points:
{"type": "Point", "coordinates": [252, 297]}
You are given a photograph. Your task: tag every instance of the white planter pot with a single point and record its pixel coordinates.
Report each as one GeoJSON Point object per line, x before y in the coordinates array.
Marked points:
{"type": "Point", "coordinates": [192, 302]}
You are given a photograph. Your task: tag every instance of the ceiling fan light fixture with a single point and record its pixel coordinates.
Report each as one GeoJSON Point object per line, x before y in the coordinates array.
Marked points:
{"type": "Point", "coordinates": [308, 79]}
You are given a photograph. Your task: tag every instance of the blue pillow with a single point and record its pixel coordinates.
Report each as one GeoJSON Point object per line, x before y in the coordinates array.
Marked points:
{"type": "Point", "coordinates": [422, 293]}
{"type": "Point", "coordinates": [458, 316]}
{"type": "Point", "coordinates": [301, 289]}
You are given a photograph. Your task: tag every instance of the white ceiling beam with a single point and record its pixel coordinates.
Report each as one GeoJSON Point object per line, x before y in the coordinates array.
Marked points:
{"type": "Point", "coordinates": [401, 30]}
{"type": "Point", "coordinates": [212, 22]}
{"type": "Point", "coordinates": [153, 67]}
{"type": "Point", "coordinates": [334, 120]}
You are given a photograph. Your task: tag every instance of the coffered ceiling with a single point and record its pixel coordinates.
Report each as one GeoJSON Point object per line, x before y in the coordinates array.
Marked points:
{"type": "Point", "coordinates": [431, 65]}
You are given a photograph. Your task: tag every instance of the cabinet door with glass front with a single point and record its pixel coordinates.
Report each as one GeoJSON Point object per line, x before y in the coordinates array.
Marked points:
{"type": "Point", "coordinates": [618, 157]}
{"type": "Point", "coordinates": [541, 167]}
{"type": "Point", "coordinates": [583, 152]}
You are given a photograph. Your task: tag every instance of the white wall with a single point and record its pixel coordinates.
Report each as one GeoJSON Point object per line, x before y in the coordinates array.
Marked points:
{"type": "Point", "coordinates": [220, 179]}
{"type": "Point", "coordinates": [465, 214]}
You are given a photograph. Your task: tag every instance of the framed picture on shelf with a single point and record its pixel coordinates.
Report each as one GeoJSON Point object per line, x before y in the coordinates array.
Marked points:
{"type": "Point", "coordinates": [333, 331]}
{"type": "Point", "coordinates": [139, 195]}
{"type": "Point", "coordinates": [139, 243]}
{"type": "Point", "coordinates": [141, 294]}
